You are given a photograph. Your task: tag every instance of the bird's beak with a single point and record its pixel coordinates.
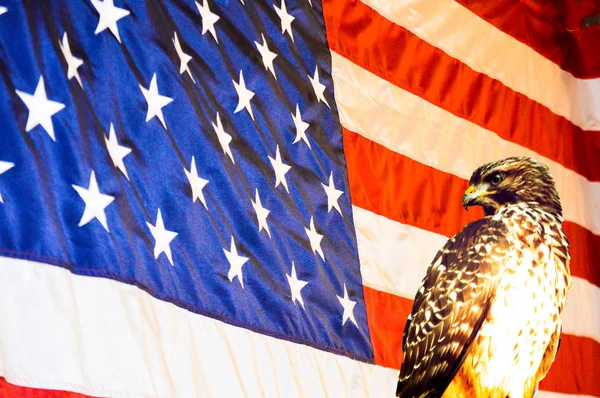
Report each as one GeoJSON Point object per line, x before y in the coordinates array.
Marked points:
{"type": "Point", "coordinates": [473, 193]}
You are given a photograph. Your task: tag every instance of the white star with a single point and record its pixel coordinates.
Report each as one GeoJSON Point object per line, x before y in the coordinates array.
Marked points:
{"type": "Point", "coordinates": [280, 170]}
{"type": "Point", "coordinates": [286, 19]}
{"type": "Point", "coordinates": [72, 62]}
{"type": "Point", "coordinates": [95, 202]}
{"type": "Point", "coordinates": [318, 87]}
{"type": "Point", "coordinates": [315, 238]}
{"type": "Point", "coordinates": [267, 55]}
{"type": "Point", "coordinates": [109, 15]}
{"type": "Point", "coordinates": [261, 214]}
{"type": "Point", "coordinates": [41, 109]}
{"type": "Point", "coordinates": [224, 138]}
{"type": "Point", "coordinates": [236, 262]}
{"type": "Point", "coordinates": [244, 96]}
{"type": "Point", "coordinates": [184, 58]}
{"type": "Point", "coordinates": [348, 307]}
{"type": "Point", "coordinates": [301, 127]}
{"type": "Point", "coordinates": [208, 19]}
{"type": "Point", "coordinates": [117, 152]}
{"type": "Point", "coordinates": [295, 286]}
{"type": "Point", "coordinates": [4, 167]}
{"type": "Point", "coordinates": [3, 10]}
{"type": "Point", "coordinates": [162, 238]}
{"type": "Point", "coordinates": [197, 183]}
{"type": "Point", "coordinates": [155, 101]}
{"type": "Point", "coordinates": [332, 195]}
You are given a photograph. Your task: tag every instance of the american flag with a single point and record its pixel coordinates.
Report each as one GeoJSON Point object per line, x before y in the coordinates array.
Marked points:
{"type": "Point", "coordinates": [240, 198]}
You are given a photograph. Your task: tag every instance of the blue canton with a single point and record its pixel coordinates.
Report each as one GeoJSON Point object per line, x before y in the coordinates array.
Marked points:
{"type": "Point", "coordinates": [190, 149]}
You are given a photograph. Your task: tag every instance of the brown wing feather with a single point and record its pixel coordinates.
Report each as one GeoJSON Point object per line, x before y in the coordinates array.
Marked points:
{"type": "Point", "coordinates": [450, 307]}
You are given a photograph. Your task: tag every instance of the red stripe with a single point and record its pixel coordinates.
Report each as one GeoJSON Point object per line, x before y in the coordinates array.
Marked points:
{"type": "Point", "coordinates": [585, 252]}
{"type": "Point", "coordinates": [8, 390]}
{"type": "Point", "coordinates": [386, 183]}
{"type": "Point", "coordinates": [361, 35]}
{"type": "Point", "coordinates": [386, 315]}
{"type": "Point", "coordinates": [575, 367]}
{"type": "Point", "coordinates": [552, 28]}
{"type": "Point", "coordinates": [573, 371]}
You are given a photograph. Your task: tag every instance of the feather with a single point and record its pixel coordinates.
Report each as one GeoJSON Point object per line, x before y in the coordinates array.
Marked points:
{"type": "Point", "coordinates": [463, 275]}
{"type": "Point", "coordinates": [486, 319]}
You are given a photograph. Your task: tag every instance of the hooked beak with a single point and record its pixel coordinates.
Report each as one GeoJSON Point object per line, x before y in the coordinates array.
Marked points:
{"type": "Point", "coordinates": [473, 193]}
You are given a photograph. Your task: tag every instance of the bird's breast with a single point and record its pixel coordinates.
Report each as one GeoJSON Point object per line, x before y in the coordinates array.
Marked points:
{"type": "Point", "coordinates": [525, 311]}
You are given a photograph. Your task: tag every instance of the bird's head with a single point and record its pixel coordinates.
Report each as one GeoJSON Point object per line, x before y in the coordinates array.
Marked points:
{"type": "Point", "coordinates": [510, 181]}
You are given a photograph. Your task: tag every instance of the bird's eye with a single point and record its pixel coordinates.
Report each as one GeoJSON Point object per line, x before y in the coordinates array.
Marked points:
{"type": "Point", "coordinates": [496, 178]}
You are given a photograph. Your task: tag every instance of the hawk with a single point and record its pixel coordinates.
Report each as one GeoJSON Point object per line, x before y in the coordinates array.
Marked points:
{"type": "Point", "coordinates": [486, 321]}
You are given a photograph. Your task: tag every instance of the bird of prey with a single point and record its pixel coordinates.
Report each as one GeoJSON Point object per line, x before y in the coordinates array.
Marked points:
{"type": "Point", "coordinates": [486, 321]}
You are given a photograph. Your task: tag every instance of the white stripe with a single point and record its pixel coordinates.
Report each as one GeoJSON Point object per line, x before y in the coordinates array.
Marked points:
{"type": "Point", "coordinates": [582, 314]}
{"type": "Point", "coordinates": [488, 50]}
{"type": "Point", "coordinates": [393, 256]}
{"type": "Point", "coordinates": [394, 259]}
{"type": "Point", "coordinates": [411, 126]}
{"type": "Point", "coordinates": [104, 338]}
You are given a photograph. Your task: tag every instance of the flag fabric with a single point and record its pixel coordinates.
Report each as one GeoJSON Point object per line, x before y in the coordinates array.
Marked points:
{"type": "Point", "coordinates": [238, 198]}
